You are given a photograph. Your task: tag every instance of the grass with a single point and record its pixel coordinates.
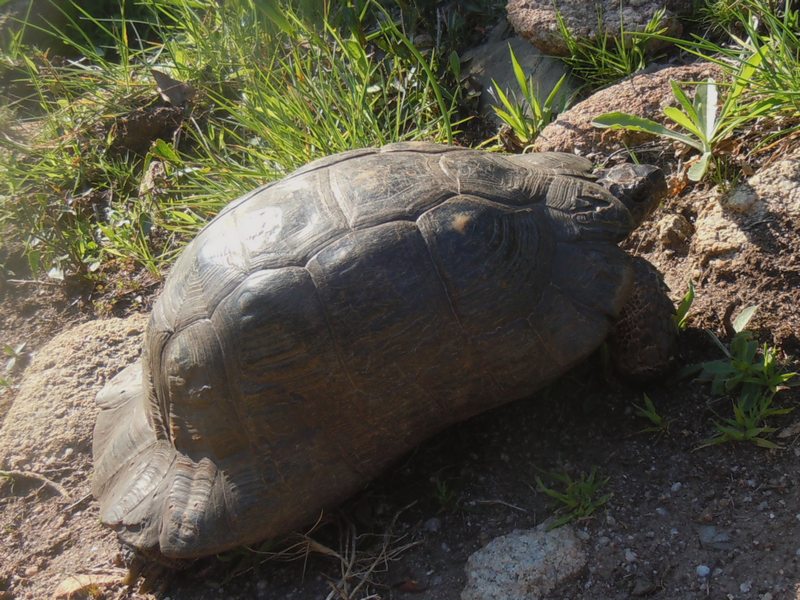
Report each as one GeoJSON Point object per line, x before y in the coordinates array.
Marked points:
{"type": "Point", "coordinates": [273, 90]}
{"type": "Point", "coordinates": [658, 423]}
{"type": "Point", "coordinates": [528, 115]}
{"type": "Point", "coordinates": [609, 57]}
{"type": "Point", "coordinates": [576, 499]}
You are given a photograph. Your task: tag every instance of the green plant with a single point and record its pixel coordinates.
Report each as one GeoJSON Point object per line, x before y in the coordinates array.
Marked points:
{"type": "Point", "coordinates": [658, 424]}
{"type": "Point", "coordinates": [15, 355]}
{"type": "Point", "coordinates": [528, 117]}
{"type": "Point", "coordinates": [276, 86]}
{"type": "Point", "coordinates": [705, 123]}
{"type": "Point", "coordinates": [681, 316]}
{"type": "Point", "coordinates": [609, 58]}
{"type": "Point", "coordinates": [747, 369]}
{"type": "Point", "coordinates": [748, 423]}
{"type": "Point", "coordinates": [446, 497]}
{"type": "Point", "coordinates": [754, 373]}
{"type": "Point", "coordinates": [577, 498]}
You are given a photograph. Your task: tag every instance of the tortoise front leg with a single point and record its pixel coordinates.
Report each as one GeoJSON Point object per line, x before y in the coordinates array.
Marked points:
{"type": "Point", "coordinates": [644, 339]}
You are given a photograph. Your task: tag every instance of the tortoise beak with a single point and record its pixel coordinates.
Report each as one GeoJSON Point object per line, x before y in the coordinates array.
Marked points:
{"type": "Point", "coordinates": [639, 187]}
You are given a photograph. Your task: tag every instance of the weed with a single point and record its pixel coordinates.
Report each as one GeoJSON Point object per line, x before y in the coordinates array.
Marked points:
{"type": "Point", "coordinates": [528, 117]}
{"type": "Point", "coordinates": [609, 58]}
{"type": "Point", "coordinates": [658, 424]}
{"type": "Point", "coordinates": [15, 354]}
{"type": "Point", "coordinates": [748, 423]}
{"type": "Point", "coordinates": [577, 498]}
{"type": "Point", "coordinates": [274, 89]}
{"type": "Point", "coordinates": [752, 371]}
{"type": "Point", "coordinates": [446, 497]}
{"type": "Point", "coordinates": [681, 316]}
{"type": "Point", "coordinates": [754, 374]}
{"type": "Point", "coordinates": [706, 125]}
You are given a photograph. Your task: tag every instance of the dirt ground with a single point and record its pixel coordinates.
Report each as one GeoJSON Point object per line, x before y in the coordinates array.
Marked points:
{"type": "Point", "coordinates": [683, 521]}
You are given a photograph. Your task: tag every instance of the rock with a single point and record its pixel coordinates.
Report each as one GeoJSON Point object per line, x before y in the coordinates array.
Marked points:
{"type": "Point", "coordinates": [524, 564]}
{"type": "Point", "coordinates": [703, 571]}
{"type": "Point", "coordinates": [712, 538]}
{"type": "Point", "coordinates": [536, 20]}
{"type": "Point", "coordinates": [63, 378]}
{"type": "Point", "coordinates": [433, 525]}
{"type": "Point", "coordinates": [492, 61]}
{"type": "Point", "coordinates": [674, 231]}
{"type": "Point", "coordinates": [91, 584]}
{"type": "Point", "coordinates": [643, 587]}
{"type": "Point", "coordinates": [643, 95]}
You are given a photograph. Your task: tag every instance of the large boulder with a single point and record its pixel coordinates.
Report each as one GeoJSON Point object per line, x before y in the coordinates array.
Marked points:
{"type": "Point", "coordinates": [536, 20]}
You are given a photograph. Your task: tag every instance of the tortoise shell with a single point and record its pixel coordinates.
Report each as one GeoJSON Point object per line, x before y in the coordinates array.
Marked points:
{"type": "Point", "coordinates": [326, 323]}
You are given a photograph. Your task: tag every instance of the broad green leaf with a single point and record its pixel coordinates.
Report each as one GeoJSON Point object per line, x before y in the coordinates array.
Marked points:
{"type": "Point", "coordinates": [688, 106]}
{"type": "Point", "coordinates": [705, 100]}
{"type": "Point", "coordinates": [165, 151]}
{"type": "Point", "coordinates": [634, 123]}
{"type": "Point", "coordinates": [698, 169]}
{"type": "Point", "coordinates": [681, 119]}
{"type": "Point", "coordinates": [743, 318]}
{"type": "Point", "coordinates": [455, 65]}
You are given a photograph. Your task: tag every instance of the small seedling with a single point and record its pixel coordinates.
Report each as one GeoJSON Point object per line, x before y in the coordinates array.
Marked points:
{"type": "Point", "coordinates": [659, 424]}
{"type": "Point", "coordinates": [751, 370]}
{"type": "Point", "coordinates": [706, 124]}
{"type": "Point", "coordinates": [755, 374]}
{"type": "Point", "coordinates": [684, 307]}
{"type": "Point", "coordinates": [445, 496]}
{"type": "Point", "coordinates": [15, 354]}
{"type": "Point", "coordinates": [747, 424]}
{"type": "Point", "coordinates": [528, 117]}
{"type": "Point", "coordinates": [577, 498]}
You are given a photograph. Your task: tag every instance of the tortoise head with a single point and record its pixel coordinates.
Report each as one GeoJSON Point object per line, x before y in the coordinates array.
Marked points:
{"type": "Point", "coordinates": [639, 187]}
{"type": "Point", "coordinates": [608, 208]}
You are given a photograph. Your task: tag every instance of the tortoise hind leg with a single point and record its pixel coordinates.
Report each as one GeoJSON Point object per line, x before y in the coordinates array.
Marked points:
{"type": "Point", "coordinates": [644, 339]}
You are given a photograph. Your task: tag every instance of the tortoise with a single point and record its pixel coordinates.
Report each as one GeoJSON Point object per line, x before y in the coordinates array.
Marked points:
{"type": "Point", "coordinates": [324, 324]}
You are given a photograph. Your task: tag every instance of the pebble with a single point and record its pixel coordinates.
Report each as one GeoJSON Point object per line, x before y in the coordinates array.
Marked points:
{"type": "Point", "coordinates": [662, 512]}
{"type": "Point", "coordinates": [31, 571]}
{"type": "Point", "coordinates": [630, 555]}
{"type": "Point", "coordinates": [676, 487]}
{"type": "Point", "coordinates": [745, 587]}
{"type": "Point", "coordinates": [703, 571]}
{"type": "Point", "coordinates": [433, 525]}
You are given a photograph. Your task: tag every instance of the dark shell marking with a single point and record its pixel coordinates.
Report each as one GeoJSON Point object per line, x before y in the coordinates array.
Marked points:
{"type": "Point", "coordinates": [324, 324]}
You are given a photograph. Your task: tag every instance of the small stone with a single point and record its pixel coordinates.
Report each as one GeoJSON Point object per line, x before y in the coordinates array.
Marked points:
{"type": "Point", "coordinates": [711, 537]}
{"type": "Point", "coordinates": [31, 571]}
{"type": "Point", "coordinates": [433, 525]}
{"type": "Point", "coordinates": [643, 587]}
{"type": "Point", "coordinates": [703, 571]}
{"type": "Point", "coordinates": [630, 555]}
{"type": "Point", "coordinates": [611, 521]}
{"type": "Point", "coordinates": [674, 231]}
{"type": "Point", "coordinates": [746, 587]}
{"type": "Point", "coordinates": [662, 512]}
{"type": "Point", "coordinates": [766, 596]}
{"type": "Point", "coordinates": [523, 564]}
{"type": "Point", "coordinates": [676, 487]}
